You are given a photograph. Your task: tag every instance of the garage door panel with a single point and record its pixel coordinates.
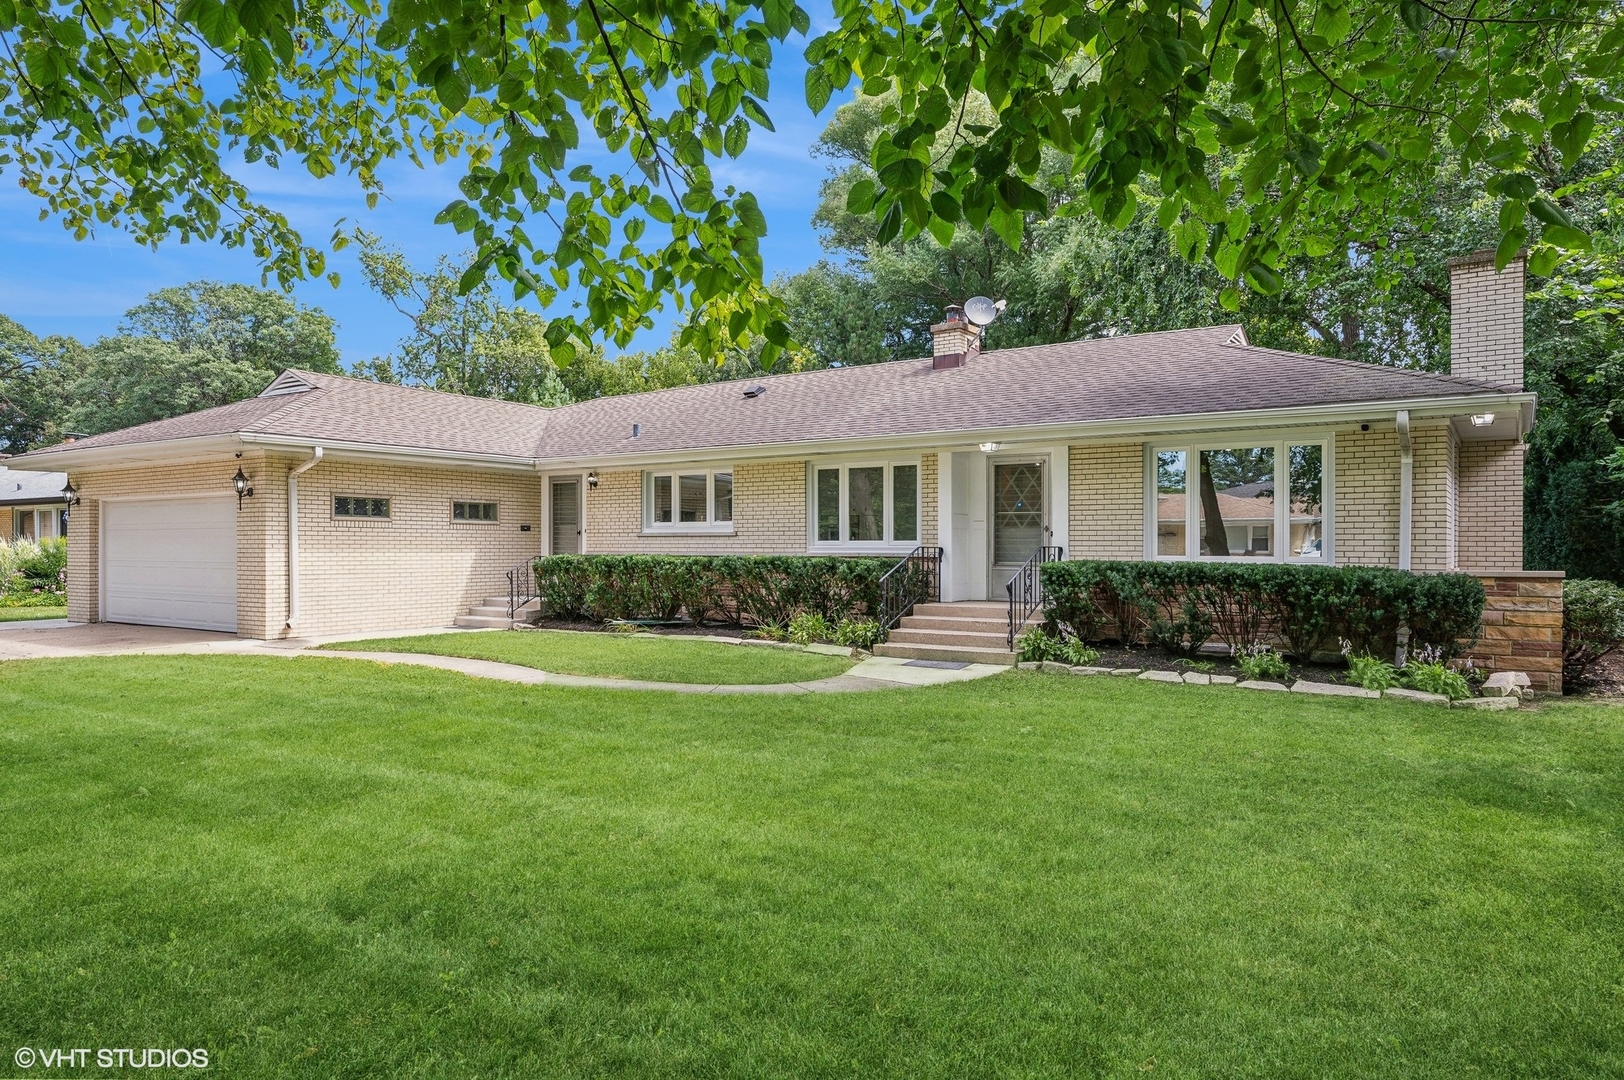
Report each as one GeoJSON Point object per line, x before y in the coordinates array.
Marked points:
{"type": "Point", "coordinates": [171, 563]}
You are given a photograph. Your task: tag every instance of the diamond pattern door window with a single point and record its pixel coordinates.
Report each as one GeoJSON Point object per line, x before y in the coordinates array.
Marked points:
{"type": "Point", "coordinates": [1017, 512]}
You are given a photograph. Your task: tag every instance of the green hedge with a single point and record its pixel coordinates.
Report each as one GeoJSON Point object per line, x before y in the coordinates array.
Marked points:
{"type": "Point", "coordinates": [1592, 627]}
{"type": "Point", "coordinates": [735, 589]}
{"type": "Point", "coordinates": [1182, 605]}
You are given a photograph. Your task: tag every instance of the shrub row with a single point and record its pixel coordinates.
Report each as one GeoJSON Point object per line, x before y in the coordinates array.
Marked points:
{"type": "Point", "coordinates": [1592, 627]}
{"type": "Point", "coordinates": [741, 590]}
{"type": "Point", "coordinates": [1181, 606]}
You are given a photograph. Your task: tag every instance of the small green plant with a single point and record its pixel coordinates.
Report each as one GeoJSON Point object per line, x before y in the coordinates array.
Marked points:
{"type": "Point", "coordinates": [770, 631]}
{"type": "Point", "coordinates": [1196, 665]}
{"type": "Point", "coordinates": [1037, 644]}
{"type": "Point", "coordinates": [1426, 671]}
{"type": "Point", "coordinates": [807, 627]}
{"type": "Point", "coordinates": [1368, 671]}
{"type": "Point", "coordinates": [1079, 653]}
{"type": "Point", "coordinates": [859, 633]}
{"type": "Point", "coordinates": [1259, 662]}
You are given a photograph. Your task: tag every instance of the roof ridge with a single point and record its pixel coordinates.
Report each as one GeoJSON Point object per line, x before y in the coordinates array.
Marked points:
{"type": "Point", "coordinates": [416, 389]}
{"type": "Point", "coordinates": [1366, 365]}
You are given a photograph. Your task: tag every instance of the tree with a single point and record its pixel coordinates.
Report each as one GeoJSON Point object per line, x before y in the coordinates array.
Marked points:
{"type": "Point", "coordinates": [239, 323]}
{"type": "Point", "coordinates": [1254, 133]}
{"type": "Point", "coordinates": [28, 388]}
{"type": "Point", "coordinates": [125, 380]}
{"type": "Point", "coordinates": [461, 343]}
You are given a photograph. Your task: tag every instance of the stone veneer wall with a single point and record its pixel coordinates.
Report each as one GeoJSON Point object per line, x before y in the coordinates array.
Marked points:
{"type": "Point", "coordinates": [1522, 627]}
{"type": "Point", "coordinates": [1491, 506]}
{"type": "Point", "coordinates": [769, 515]}
{"type": "Point", "coordinates": [1107, 501]}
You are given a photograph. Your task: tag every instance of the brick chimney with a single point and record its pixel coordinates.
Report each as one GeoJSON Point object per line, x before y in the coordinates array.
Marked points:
{"type": "Point", "coordinates": [1486, 319]}
{"type": "Point", "coordinates": [956, 339]}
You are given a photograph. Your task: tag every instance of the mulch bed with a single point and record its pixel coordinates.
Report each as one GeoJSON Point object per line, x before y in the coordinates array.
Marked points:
{"type": "Point", "coordinates": [682, 630]}
{"type": "Point", "coordinates": [1608, 681]}
{"type": "Point", "coordinates": [1156, 660]}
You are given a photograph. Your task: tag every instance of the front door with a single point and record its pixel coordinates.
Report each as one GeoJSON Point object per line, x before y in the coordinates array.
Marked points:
{"type": "Point", "coordinates": [1017, 519]}
{"type": "Point", "coordinates": [566, 513]}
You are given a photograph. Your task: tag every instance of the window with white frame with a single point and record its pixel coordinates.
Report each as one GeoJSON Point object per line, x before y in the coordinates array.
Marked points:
{"type": "Point", "coordinates": [865, 504]}
{"type": "Point", "coordinates": [688, 501]}
{"type": "Point", "coordinates": [1243, 499]}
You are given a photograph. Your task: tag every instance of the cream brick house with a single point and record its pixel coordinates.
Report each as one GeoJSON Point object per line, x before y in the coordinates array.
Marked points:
{"type": "Point", "coordinates": [375, 507]}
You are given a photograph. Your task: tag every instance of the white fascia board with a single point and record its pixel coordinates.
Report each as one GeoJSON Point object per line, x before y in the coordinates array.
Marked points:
{"type": "Point", "coordinates": [1148, 428]}
{"type": "Point", "coordinates": [338, 450]}
{"type": "Point", "coordinates": [125, 455]}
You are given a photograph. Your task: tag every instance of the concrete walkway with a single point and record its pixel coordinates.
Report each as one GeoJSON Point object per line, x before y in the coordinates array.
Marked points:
{"type": "Point", "coordinates": [116, 639]}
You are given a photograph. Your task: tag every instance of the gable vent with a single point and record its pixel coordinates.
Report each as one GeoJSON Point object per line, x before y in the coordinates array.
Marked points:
{"type": "Point", "coordinates": [286, 383]}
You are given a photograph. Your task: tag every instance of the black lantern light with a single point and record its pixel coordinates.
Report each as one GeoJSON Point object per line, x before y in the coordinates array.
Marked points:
{"type": "Point", "coordinates": [243, 488]}
{"type": "Point", "coordinates": [591, 479]}
{"type": "Point", "coordinates": [70, 497]}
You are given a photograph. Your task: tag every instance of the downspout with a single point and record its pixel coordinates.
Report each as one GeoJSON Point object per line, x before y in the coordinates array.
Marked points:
{"type": "Point", "coordinates": [293, 535]}
{"type": "Point", "coordinates": [1406, 486]}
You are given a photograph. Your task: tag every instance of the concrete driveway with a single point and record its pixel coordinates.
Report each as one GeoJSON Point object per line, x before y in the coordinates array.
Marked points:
{"type": "Point", "coordinates": [21, 641]}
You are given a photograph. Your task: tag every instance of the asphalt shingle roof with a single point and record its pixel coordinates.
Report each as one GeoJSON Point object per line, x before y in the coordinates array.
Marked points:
{"type": "Point", "coordinates": [19, 488]}
{"type": "Point", "coordinates": [1174, 373]}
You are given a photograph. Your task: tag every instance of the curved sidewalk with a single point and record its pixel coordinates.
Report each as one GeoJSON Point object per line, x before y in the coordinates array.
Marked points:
{"type": "Point", "coordinates": [876, 673]}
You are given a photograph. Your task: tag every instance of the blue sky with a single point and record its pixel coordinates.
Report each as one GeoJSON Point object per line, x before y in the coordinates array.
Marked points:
{"type": "Point", "coordinates": [53, 284]}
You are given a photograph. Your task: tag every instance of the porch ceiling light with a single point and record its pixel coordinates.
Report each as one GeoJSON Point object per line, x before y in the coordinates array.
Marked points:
{"type": "Point", "coordinates": [990, 447]}
{"type": "Point", "coordinates": [243, 488]}
{"type": "Point", "coordinates": [1482, 419]}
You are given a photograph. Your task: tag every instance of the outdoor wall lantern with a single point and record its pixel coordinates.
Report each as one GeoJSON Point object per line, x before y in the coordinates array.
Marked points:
{"type": "Point", "coordinates": [70, 496]}
{"type": "Point", "coordinates": [591, 479]}
{"type": "Point", "coordinates": [241, 485]}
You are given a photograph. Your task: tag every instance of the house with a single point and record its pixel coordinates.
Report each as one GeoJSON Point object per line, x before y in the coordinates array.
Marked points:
{"type": "Point", "coordinates": [32, 506]}
{"type": "Point", "coordinates": [371, 506]}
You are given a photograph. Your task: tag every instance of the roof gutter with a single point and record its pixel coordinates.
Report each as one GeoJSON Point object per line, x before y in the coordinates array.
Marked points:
{"type": "Point", "coordinates": [293, 534]}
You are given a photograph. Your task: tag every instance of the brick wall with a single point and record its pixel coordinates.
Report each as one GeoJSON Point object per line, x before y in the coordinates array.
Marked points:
{"type": "Point", "coordinates": [1522, 627]}
{"type": "Point", "coordinates": [1491, 505]}
{"type": "Point", "coordinates": [769, 515]}
{"type": "Point", "coordinates": [929, 501]}
{"type": "Point", "coordinates": [1366, 498]}
{"type": "Point", "coordinates": [1107, 501]}
{"type": "Point", "coordinates": [1486, 320]}
{"type": "Point", "coordinates": [1432, 532]}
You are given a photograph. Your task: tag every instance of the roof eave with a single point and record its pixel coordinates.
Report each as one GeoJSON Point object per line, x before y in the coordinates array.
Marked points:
{"type": "Point", "coordinates": [1145, 426]}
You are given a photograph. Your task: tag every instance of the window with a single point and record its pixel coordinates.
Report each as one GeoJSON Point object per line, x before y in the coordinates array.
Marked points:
{"type": "Point", "coordinates": [865, 505]}
{"type": "Point", "coordinates": [359, 506]}
{"type": "Point", "coordinates": [1222, 502]}
{"type": "Point", "coordinates": [473, 511]}
{"type": "Point", "coordinates": [688, 502]}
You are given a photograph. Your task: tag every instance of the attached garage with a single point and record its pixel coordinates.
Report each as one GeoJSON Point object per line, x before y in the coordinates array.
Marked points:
{"type": "Point", "coordinates": [170, 562]}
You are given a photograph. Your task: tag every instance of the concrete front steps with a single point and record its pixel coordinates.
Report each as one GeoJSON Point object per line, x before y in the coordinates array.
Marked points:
{"type": "Point", "coordinates": [494, 613]}
{"type": "Point", "coordinates": [968, 632]}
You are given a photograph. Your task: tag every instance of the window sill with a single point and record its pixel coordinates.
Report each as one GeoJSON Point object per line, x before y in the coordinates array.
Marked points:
{"type": "Point", "coordinates": [900, 548]}
{"type": "Point", "coordinates": [690, 530]}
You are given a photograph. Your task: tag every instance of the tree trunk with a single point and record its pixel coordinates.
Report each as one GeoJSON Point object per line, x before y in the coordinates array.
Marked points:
{"type": "Point", "coordinates": [1212, 519]}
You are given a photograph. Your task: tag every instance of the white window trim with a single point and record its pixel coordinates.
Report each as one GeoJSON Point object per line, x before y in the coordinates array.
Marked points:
{"type": "Point", "coordinates": [890, 545]}
{"type": "Point", "coordinates": [710, 527]}
{"type": "Point", "coordinates": [1281, 445]}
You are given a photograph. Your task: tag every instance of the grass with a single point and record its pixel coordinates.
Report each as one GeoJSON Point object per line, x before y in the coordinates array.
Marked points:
{"type": "Point", "coordinates": [23, 614]}
{"type": "Point", "coordinates": [621, 656]}
{"type": "Point", "coordinates": [323, 868]}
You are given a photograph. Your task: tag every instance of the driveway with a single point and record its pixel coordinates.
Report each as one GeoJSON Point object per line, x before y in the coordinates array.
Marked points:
{"type": "Point", "coordinates": [20, 641]}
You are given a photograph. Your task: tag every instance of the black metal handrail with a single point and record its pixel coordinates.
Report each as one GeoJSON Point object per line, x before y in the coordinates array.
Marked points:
{"type": "Point", "coordinates": [522, 587]}
{"type": "Point", "coordinates": [912, 581]}
{"type": "Point", "coordinates": [1026, 589]}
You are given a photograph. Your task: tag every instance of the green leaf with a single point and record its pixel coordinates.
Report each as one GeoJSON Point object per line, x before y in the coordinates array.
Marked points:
{"type": "Point", "coordinates": [750, 215]}
{"type": "Point", "coordinates": [860, 197]}
{"type": "Point", "coordinates": [1510, 244]}
{"type": "Point", "coordinates": [1566, 237]}
{"type": "Point", "coordinates": [1544, 260]}
{"type": "Point", "coordinates": [1009, 224]}
{"type": "Point", "coordinates": [756, 113]}
{"type": "Point", "coordinates": [818, 88]}
{"type": "Point", "coordinates": [942, 231]}
{"type": "Point", "coordinates": [451, 87]}
{"type": "Point", "coordinates": [890, 225]}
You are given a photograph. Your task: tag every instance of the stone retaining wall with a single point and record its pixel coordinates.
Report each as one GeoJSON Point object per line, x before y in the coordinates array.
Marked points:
{"type": "Point", "coordinates": [1522, 626]}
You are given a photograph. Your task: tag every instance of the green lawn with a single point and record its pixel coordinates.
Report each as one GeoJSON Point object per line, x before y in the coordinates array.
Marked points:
{"type": "Point", "coordinates": [322, 868]}
{"type": "Point", "coordinates": [22, 614]}
{"type": "Point", "coordinates": [621, 656]}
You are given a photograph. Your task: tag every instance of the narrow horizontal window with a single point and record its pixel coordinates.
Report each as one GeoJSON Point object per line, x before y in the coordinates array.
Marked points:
{"type": "Point", "coordinates": [473, 511]}
{"type": "Point", "coordinates": [360, 506]}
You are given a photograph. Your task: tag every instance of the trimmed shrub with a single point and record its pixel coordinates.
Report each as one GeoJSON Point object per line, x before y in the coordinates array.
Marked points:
{"type": "Point", "coordinates": [1592, 626]}
{"type": "Point", "coordinates": [1179, 606]}
{"type": "Point", "coordinates": [743, 590]}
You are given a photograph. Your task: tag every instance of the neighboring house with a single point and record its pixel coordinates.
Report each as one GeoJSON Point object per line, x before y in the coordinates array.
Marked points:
{"type": "Point", "coordinates": [378, 506]}
{"type": "Point", "coordinates": [32, 506]}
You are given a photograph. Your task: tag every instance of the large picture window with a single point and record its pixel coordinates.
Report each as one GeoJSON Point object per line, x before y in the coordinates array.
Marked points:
{"type": "Point", "coordinates": [688, 501]}
{"type": "Point", "coordinates": [865, 505]}
{"type": "Point", "coordinates": [1252, 500]}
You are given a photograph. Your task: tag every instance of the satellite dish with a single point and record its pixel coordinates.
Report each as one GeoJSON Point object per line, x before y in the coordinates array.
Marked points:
{"type": "Point", "coordinates": [982, 311]}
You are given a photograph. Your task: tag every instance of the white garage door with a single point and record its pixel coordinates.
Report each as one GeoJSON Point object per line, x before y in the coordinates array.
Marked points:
{"type": "Point", "coordinates": [171, 563]}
